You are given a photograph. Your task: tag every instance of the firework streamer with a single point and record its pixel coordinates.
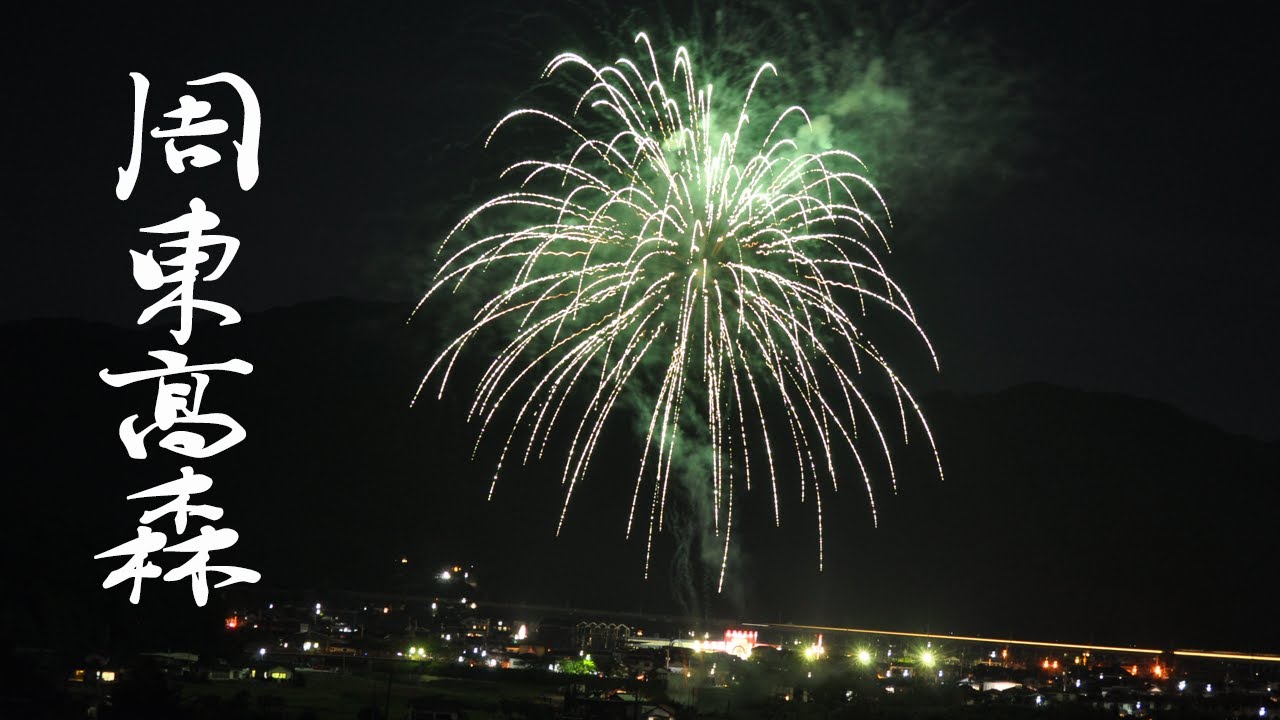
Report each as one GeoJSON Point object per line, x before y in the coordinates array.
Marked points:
{"type": "Point", "coordinates": [688, 262]}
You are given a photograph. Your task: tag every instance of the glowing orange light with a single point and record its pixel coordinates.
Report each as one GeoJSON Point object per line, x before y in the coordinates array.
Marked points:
{"type": "Point", "coordinates": [233, 622]}
{"type": "Point", "coordinates": [1158, 671]}
{"type": "Point", "coordinates": [1045, 664]}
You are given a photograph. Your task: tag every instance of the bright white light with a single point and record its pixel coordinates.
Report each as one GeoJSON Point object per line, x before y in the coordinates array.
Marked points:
{"type": "Point", "coordinates": [1262, 712]}
{"type": "Point", "coordinates": [1182, 684]}
{"type": "Point", "coordinates": [1208, 688]}
{"type": "Point", "coordinates": [306, 646]}
{"type": "Point", "coordinates": [445, 575]}
{"type": "Point", "coordinates": [1039, 700]}
{"type": "Point", "coordinates": [262, 651]}
{"type": "Point", "coordinates": [927, 658]}
{"type": "Point", "coordinates": [864, 656]}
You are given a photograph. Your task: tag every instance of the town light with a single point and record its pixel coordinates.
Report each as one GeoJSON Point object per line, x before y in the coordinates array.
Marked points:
{"type": "Point", "coordinates": [864, 657]}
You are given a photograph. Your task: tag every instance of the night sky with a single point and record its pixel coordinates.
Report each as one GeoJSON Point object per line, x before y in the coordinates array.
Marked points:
{"type": "Point", "coordinates": [1100, 216]}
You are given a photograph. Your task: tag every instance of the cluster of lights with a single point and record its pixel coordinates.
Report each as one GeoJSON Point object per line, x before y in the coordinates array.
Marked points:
{"type": "Point", "coordinates": [815, 651]}
{"type": "Point", "coordinates": [417, 652]}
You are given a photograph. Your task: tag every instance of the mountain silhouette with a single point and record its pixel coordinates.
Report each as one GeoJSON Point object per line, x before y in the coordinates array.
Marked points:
{"type": "Point", "coordinates": [1064, 515]}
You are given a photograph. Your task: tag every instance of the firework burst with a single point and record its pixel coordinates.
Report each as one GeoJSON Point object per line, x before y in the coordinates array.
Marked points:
{"type": "Point", "coordinates": [724, 282]}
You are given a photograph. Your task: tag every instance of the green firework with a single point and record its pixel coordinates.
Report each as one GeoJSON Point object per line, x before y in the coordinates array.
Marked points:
{"type": "Point", "coordinates": [692, 256]}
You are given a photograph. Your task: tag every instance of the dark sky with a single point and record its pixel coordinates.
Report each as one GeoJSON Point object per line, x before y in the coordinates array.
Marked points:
{"type": "Point", "coordinates": [1129, 245]}
{"type": "Point", "coordinates": [1120, 237]}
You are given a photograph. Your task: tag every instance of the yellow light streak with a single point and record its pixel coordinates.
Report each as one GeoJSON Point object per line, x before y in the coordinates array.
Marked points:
{"type": "Point", "coordinates": [968, 638]}
{"type": "Point", "coordinates": [1228, 656]}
